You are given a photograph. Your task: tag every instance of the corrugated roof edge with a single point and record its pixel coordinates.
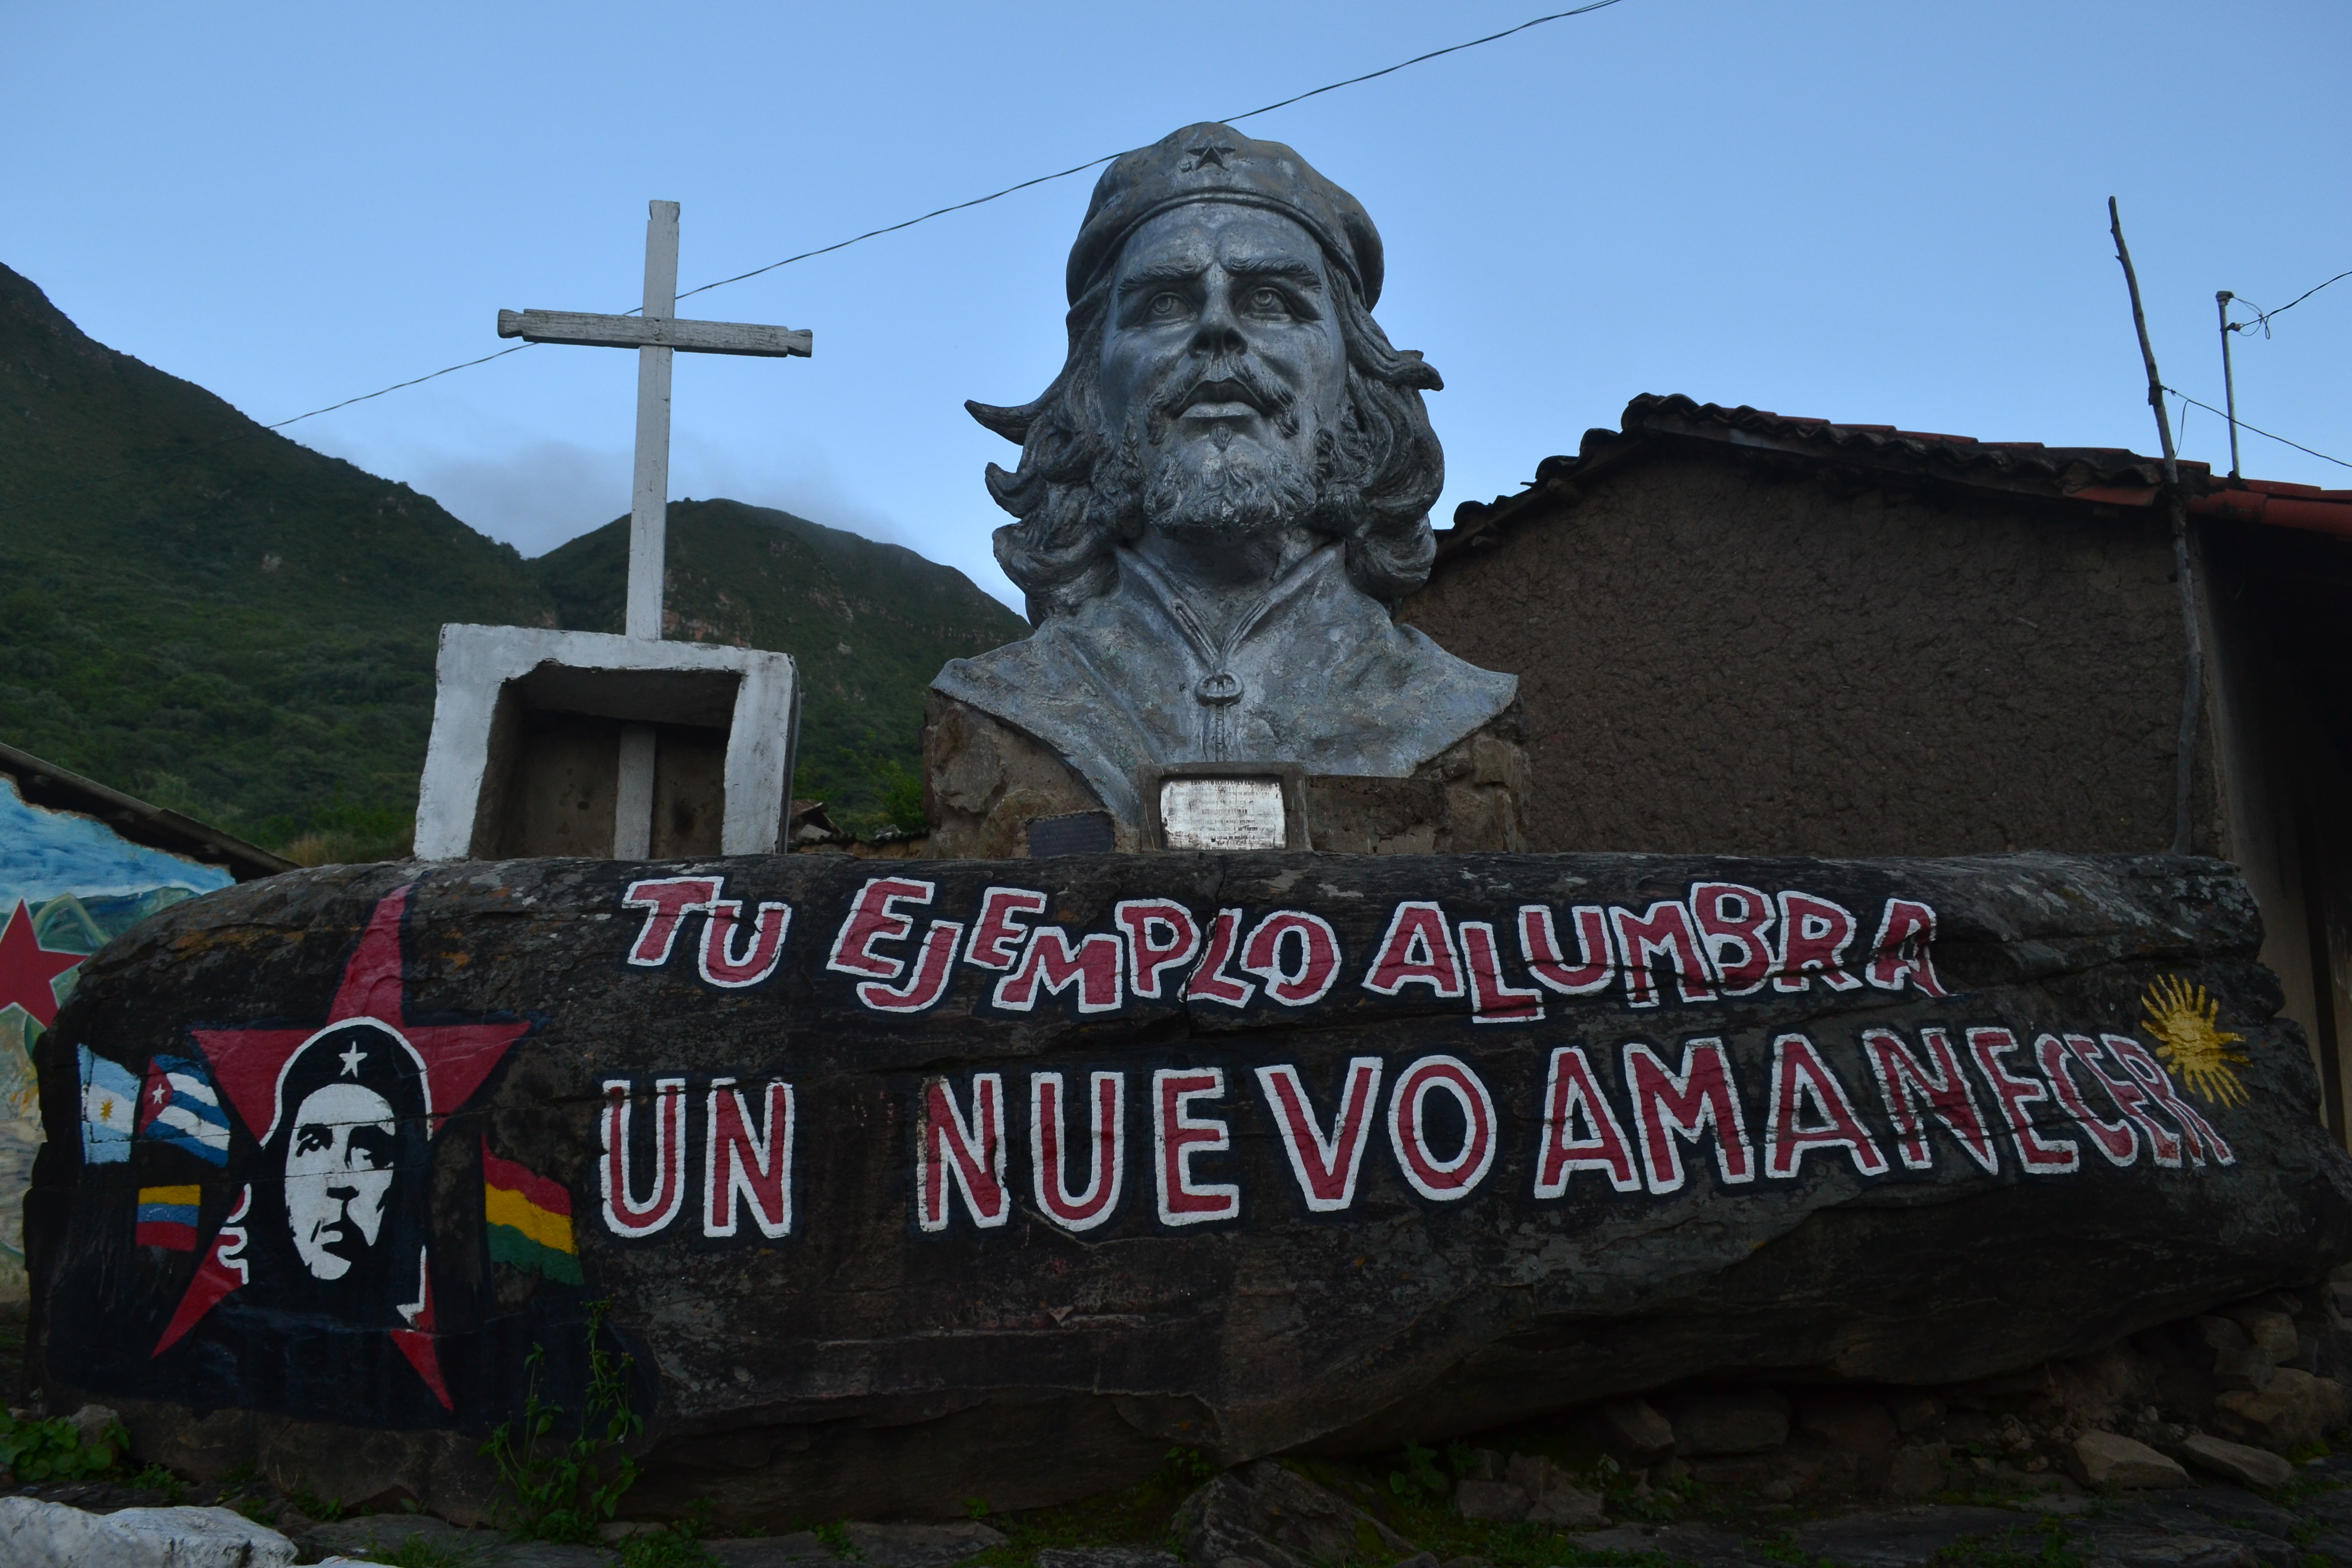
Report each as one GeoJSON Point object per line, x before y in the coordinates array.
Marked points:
{"type": "Point", "coordinates": [45, 784]}
{"type": "Point", "coordinates": [2107, 476]}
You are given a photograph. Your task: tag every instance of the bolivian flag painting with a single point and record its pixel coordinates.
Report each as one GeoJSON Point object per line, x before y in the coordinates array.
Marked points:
{"type": "Point", "coordinates": [528, 1218]}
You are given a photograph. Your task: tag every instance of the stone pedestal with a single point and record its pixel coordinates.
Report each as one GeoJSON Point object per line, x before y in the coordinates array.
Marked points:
{"type": "Point", "coordinates": [990, 789]}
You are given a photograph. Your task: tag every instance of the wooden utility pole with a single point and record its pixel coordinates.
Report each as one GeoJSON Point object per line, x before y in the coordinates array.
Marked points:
{"type": "Point", "coordinates": [655, 335]}
{"type": "Point", "coordinates": [2192, 700]}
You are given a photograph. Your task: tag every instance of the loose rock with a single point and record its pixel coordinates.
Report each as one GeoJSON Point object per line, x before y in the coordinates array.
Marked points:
{"type": "Point", "coordinates": [1632, 1430]}
{"type": "Point", "coordinates": [1552, 1496]}
{"type": "Point", "coordinates": [2112, 1462]}
{"type": "Point", "coordinates": [1496, 1501]}
{"type": "Point", "coordinates": [2271, 1331]}
{"type": "Point", "coordinates": [1266, 1514]}
{"type": "Point", "coordinates": [1913, 1411]}
{"type": "Point", "coordinates": [36, 1535]}
{"type": "Point", "coordinates": [2237, 1462]}
{"type": "Point", "coordinates": [2296, 1408]}
{"type": "Point", "coordinates": [1916, 1470]}
{"type": "Point", "coordinates": [93, 1423]}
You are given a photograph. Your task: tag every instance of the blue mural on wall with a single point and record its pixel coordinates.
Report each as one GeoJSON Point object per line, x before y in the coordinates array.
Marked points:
{"type": "Point", "coordinates": [67, 884]}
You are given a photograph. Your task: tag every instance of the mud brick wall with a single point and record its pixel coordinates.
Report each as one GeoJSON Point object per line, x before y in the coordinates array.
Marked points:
{"type": "Point", "coordinates": [1718, 654]}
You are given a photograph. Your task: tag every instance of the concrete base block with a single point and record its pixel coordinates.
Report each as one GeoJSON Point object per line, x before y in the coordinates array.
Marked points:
{"type": "Point", "coordinates": [535, 732]}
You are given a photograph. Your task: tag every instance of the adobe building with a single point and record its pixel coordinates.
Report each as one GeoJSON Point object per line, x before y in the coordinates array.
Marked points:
{"type": "Point", "coordinates": [1742, 633]}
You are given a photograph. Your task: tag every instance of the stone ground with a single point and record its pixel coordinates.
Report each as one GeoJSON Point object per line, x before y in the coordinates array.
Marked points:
{"type": "Point", "coordinates": [2305, 1523]}
{"type": "Point", "coordinates": [2206, 1443]}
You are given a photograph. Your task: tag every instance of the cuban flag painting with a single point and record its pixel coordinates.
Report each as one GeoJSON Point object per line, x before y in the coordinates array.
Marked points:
{"type": "Point", "coordinates": [110, 1107]}
{"type": "Point", "coordinates": [178, 1105]}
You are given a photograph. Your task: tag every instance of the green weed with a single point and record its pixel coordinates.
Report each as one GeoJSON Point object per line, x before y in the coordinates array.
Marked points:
{"type": "Point", "coordinates": [1420, 1474]}
{"type": "Point", "coordinates": [156, 1478]}
{"type": "Point", "coordinates": [680, 1546]}
{"type": "Point", "coordinates": [1183, 1470]}
{"type": "Point", "coordinates": [52, 1450]}
{"type": "Point", "coordinates": [566, 1494]}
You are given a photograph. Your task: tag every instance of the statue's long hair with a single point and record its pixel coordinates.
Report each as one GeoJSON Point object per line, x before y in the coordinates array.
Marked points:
{"type": "Point", "coordinates": [1376, 475]}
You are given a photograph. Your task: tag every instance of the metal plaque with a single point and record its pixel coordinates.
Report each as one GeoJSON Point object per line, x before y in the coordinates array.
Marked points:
{"type": "Point", "coordinates": [1222, 814]}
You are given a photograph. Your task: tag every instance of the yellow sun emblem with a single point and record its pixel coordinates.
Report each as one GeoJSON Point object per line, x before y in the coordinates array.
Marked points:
{"type": "Point", "coordinates": [2186, 1025]}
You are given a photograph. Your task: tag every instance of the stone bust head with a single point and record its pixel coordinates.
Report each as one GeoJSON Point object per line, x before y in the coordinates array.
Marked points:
{"type": "Point", "coordinates": [1226, 492]}
{"type": "Point", "coordinates": [1226, 384]}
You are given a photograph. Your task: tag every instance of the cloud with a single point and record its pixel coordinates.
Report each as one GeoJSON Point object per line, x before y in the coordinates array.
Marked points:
{"type": "Point", "coordinates": [535, 496]}
{"type": "Point", "coordinates": [808, 487]}
{"type": "Point", "coordinates": [537, 493]}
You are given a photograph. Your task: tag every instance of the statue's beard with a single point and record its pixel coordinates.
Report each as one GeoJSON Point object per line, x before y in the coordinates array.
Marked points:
{"type": "Point", "coordinates": [1219, 485]}
{"type": "Point", "coordinates": [1223, 485]}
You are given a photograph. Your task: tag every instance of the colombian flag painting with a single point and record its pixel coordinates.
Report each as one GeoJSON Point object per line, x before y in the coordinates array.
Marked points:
{"type": "Point", "coordinates": [528, 1218]}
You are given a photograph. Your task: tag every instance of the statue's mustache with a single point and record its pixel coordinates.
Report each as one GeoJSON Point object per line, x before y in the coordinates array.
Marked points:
{"type": "Point", "coordinates": [1230, 378]}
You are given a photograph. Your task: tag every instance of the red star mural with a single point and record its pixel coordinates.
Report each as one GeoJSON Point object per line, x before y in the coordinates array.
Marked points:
{"type": "Point", "coordinates": [250, 1063]}
{"type": "Point", "coordinates": [26, 968]}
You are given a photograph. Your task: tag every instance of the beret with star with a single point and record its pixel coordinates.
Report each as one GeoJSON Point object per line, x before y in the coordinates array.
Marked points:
{"type": "Point", "coordinates": [1214, 162]}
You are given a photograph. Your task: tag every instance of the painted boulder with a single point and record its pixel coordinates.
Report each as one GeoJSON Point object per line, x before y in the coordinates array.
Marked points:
{"type": "Point", "coordinates": [900, 1182]}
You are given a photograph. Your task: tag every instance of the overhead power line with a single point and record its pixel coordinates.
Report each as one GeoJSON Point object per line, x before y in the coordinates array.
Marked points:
{"type": "Point", "coordinates": [827, 250]}
{"type": "Point", "coordinates": [2258, 429]}
{"type": "Point", "coordinates": [1099, 162]}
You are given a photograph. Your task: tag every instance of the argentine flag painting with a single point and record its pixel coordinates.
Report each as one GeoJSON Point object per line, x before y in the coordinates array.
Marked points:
{"type": "Point", "coordinates": [109, 1109]}
{"type": "Point", "coordinates": [180, 1106]}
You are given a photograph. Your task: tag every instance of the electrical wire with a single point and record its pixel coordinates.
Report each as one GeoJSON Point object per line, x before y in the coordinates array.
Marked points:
{"type": "Point", "coordinates": [2256, 428]}
{"type": "Point", "coordinates": [2262, 318]}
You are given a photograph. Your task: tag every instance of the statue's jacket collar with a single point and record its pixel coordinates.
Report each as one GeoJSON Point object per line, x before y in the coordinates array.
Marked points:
{"type": "Point", "coordinates": [1318, 674]}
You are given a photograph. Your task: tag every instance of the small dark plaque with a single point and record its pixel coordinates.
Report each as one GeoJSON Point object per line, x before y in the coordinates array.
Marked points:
{"type": "Point", "coordinates": [1080, 833]}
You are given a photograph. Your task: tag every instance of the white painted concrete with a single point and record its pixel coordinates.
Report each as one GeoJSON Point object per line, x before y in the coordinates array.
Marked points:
{"type": "Point", "coordinates": [650, 504]}
{"type": "Point", "coordinates": [633, 800]}
{"type": "Point", "coordinates": [630, 679]}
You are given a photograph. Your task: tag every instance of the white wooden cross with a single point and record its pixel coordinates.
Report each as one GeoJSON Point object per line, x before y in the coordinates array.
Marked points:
{"type": "Point", "coordinates": [655, 335]}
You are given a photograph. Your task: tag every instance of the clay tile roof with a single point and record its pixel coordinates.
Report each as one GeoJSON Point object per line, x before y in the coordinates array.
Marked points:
{"type": "Point", "coordinates": [2063, 470]}
{"type": "Point", "coordinates": [2278, 505]}
{"type": "Point", "coordinates": [2110, 476]}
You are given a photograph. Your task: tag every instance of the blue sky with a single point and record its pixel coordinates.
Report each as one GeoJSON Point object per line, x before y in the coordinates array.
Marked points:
{"type": "Point", "coordinates": [1879, 213]}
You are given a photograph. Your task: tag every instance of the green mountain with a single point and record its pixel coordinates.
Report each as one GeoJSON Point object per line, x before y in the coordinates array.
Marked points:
{"type": "Point", "coordinates": [223, 621]}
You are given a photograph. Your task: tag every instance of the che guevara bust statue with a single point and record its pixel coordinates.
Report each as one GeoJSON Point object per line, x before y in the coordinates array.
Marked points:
{"type": "Point", "coordinates": [1221, 498]}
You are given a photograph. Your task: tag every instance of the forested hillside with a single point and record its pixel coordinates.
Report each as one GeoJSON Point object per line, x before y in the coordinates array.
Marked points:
{"type": "Point", "coordinates": [211, 616]}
